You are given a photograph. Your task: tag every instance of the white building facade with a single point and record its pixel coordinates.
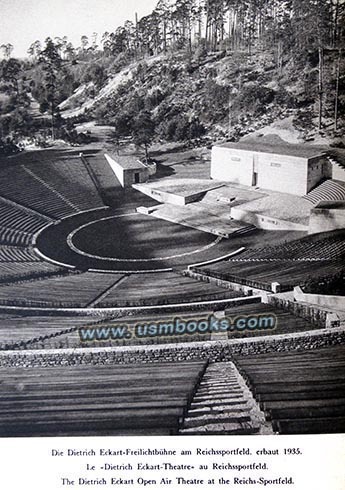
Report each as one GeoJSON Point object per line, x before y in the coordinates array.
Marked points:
{"type": "Point", "coordinates": [128, 169]}
{"type": "Point", "coordinates": [290, 169]}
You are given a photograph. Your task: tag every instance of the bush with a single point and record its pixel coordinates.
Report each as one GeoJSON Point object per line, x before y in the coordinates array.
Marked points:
{"type": "Point", "coordinates": [253, 99]}
{"type": "Point", "coordinates": [216, 101]}
{"type": "Point", "coordinates": [154, 98]}
{"type": "Point", "coordinates": [181, 128]}
{"type": "Point", "coordinates": [167, 129]}
{"type": "Point", "coordinates": [8, 148]}
{"type": "Point", "coordinates": [96, 74]}
{"type": "Point", "coordinates": [285, 98]}
{"type": "Point", "coordinates": [120, 62]}
{"type": "Point", "coordinates": [303, 120]}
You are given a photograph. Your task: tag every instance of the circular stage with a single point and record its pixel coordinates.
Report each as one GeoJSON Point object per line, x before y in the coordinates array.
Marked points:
{"type": "Point", "coordinates": [106, 240]}
{"type": "Point", "coordinates": [138, 238]}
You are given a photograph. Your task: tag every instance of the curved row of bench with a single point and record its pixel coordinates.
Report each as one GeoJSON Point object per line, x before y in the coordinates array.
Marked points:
{"type": "Point", "coordinates": [326, 248]}
{"type": "Point", "coordinates": [158, 392]}
{"type": "Point", "coordinates": [9, 253]}
{"type": "Point", "coordinates": [56, 188]}
{"type": "Point", "coordinates": [330, 190]}
{"type": "Point", "coordinates": [35, 330]}
{"type": "Point", "coordinates": [261, 274]}
{"type": "Point", "coordinates": [87, 289]}
{"type": "Point", "coordinates": [300, 392]}
{"type": "Point", "coordinates": [95, 400]}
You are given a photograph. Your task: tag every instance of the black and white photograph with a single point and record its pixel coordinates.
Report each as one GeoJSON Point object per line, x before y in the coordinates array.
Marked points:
{"type": "Point", "coordinates": [172, 218]}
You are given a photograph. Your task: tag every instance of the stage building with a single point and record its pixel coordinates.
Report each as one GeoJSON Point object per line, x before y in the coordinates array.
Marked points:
{"type": "Point", "coordinates": [292, 169]}
{"type": "Point", "coordinates": [129, 169]}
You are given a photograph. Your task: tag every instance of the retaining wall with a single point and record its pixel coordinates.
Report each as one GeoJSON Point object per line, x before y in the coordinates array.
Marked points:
{"type": "Point", "coordinates": [214, 352]}
{"type": "Point", "coordinates": [324, 300]}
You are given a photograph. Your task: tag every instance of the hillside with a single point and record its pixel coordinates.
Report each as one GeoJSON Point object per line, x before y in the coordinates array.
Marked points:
{"type": "Point", "coordinates": [191, 71]}
{"type": "Point", "coordinates": [226, 94]}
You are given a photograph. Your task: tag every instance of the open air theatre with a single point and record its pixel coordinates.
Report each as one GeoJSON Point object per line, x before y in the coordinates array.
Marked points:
{"type": "Point", "coordinates": [94, 241]}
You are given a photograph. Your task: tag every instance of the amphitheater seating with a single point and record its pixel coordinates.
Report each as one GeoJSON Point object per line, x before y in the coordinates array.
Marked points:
{"type": "Point", "coordinates": [17, 254]}
{"type": "Point", "coordinates": [40, 330]}
{"type": "Point", "coordinates": [18, 224]}
{"type": "Point", "coordinates": [167, 287]}
{"type": "Point", "coordinates": [88, 289]}
{"type": "Point", "coordinates": [69, 290]}
{"type": "Point", "coordinates": [300, 392]}
{"type": "Point", "coordinates": [261, 274]}
{"type": "Point", "coordinates": [70, 178]}
{"type": "Point", "coordinates": [25, 273]}
{"type": "Point", "coordinates": [319, 247]}
{"type": "Point", "coordinates": [21, 185]}
{"type": "Point", "coordinates": [14, 237]}
{"type": "Point", "coordinates": [330, 190]}
{"type": "Point", "coordinates": [55, 189]}
{"type": "Point", "coordinates": [95, 400]}
{"type": "Point", "coordinates": [286, 323]}
{"type": "Point", "coordinates": [289, 264]}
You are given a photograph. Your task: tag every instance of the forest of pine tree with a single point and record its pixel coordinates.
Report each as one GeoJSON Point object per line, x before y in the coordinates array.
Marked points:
{"type": "Point", "coordinates": [194, 65]}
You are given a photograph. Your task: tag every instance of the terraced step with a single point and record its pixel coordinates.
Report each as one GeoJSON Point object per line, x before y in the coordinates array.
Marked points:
{"type": "Point", "coordinates": [216, 419]}
{"type": "Point", "coordinates": [334, 161]}
{"type": "Point", "coordinates": [326, 425]}
{"type": "Point", "coordinates": [245, 428]}
{"type": "Point", "coordinates": [223, 404]}
{"type": "Point", "coordinates": [219, 396]}
{"type": "Point", "coordinates": [330, 190]}
{"type": "Point", "coordinates": [217, 402]}
{"type": "Point", "coordinates": [299, 392]}
{"type": "Point", "coordinates": [209, 383]}
{"type": "Point", "coordinates": [236, 407]}
{"type": "Point", "coordinates": [133, 398]}
{"type": "Point", "coordinates": [216, 395]}
{"type": "Point", "coordinates": [219, 336]}
{"type": "Point", "coordinates": [217, 388]}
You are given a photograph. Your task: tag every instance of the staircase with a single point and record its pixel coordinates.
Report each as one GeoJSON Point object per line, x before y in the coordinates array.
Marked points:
{"type": "Point", "coordinates": [330, 190]}
{"type": "Point", "coordinates": [333, 160]}
{"type": "Point", "coordinates": [244, 230]}
{"type": "Point", "coordinates": [223, 405]}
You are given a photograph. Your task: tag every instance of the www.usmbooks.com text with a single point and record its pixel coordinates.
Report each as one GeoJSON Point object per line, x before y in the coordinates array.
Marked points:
{"type": "Point", "coordinates": [179, 327]}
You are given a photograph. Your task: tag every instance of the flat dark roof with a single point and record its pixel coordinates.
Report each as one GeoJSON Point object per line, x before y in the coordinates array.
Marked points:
{"type": "Point", "coordinates": [302, 151]}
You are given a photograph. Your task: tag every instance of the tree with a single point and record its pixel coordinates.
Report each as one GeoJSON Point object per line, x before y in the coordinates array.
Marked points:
{"type": "Point", "coordinates": [35, 49]}
{"type": "Point", "coordinates": [84, 42]}
{"type": "Point", "coordinates": [7, 50]}
{"type": "Point", "coordinates": [143, 130]}
{"type": "Point", "coordinates": [94, 41]}
{"type": "Point", "coordinates": [9, 73]}
{"type": "Point", "coordinates": [96, 74]}
{"type": "Point", "coordinates": [163, 12]}
{"type": "Point", "coordinates": [50, 61]}
{"type": "Point", "coordinates": [69, 51]}
{"type": "Point", "coordinates": [16, 124]}
{"type": "Point", "coordinates": [106, 42]}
